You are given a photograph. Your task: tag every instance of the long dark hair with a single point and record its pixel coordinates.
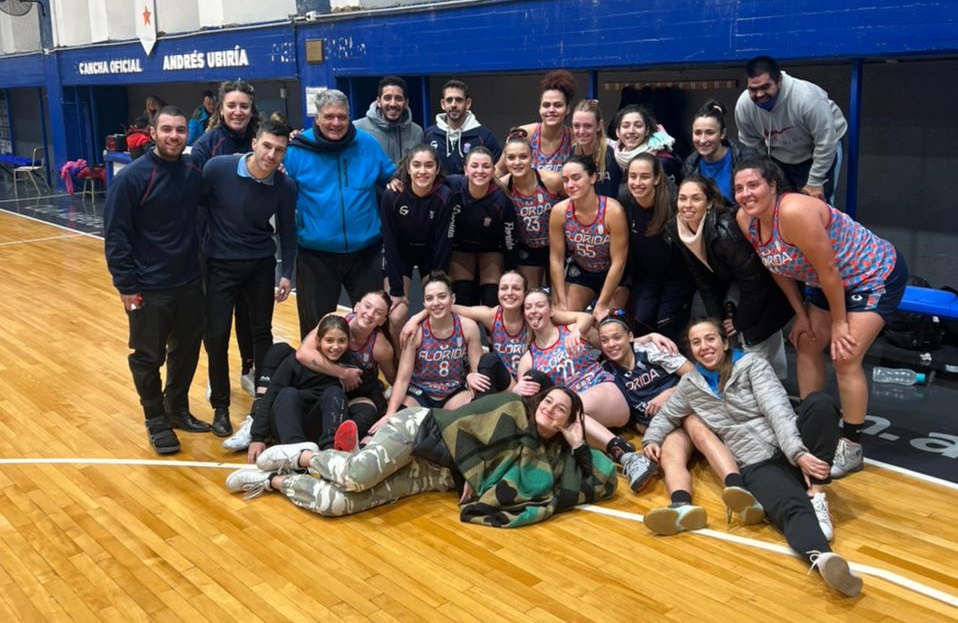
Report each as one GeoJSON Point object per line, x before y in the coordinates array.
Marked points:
{"type": "Point", "coordinates": [576, 410]}
{"type": "Point", "coordinates": [243, 87]}
{"type": "Point", "coordinates": [710, 189]}
{"type": "Point", "coordinates": [662, 210]}
{"type": "Point", "coordinates": [402, 170]}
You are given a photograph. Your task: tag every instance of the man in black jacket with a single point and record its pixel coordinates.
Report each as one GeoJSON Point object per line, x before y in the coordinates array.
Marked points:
{"type": "Point", "coordinates": [152, 251]}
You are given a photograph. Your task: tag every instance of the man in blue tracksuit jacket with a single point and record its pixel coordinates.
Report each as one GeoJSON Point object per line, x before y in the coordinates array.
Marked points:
{"type": "Point", "coordinates": [336, 168]}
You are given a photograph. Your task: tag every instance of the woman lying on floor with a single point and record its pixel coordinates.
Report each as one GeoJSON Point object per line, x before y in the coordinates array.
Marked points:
{"type": "Point", "coordinates": [520, 461]}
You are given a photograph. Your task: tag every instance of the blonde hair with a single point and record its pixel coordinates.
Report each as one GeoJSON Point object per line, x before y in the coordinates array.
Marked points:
{"type": "Point", "coordinates": [601, 140]}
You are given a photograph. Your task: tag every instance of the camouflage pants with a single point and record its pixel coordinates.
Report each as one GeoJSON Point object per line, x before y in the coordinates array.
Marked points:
{"type": "Point", "coordinates": [380, 473]}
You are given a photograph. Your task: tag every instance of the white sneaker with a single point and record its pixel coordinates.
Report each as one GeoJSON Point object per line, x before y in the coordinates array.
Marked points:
{"type": "Point", "coordinates": [242, 438]}
{"type": "Point", "coordinates": [284, 458]}
{"type": "Point", "coordinates": [849, 458]}
{"type": "Point", "coordinates": [248, 382]}
{"type": "Point", "coordinates": [249, 480]}
{"type": "Point", "coordinates": [820, 504]}
{"type": "Point", "coordinates": [836, 573]}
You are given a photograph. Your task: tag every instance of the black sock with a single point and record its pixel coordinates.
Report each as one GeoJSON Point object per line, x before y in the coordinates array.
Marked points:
{"type": "Point", "coordinates": [852, 432]}
{"type": "Point", "coordinates": [734, 480]}
{"type": "Point", "coordinates": [489, 294]}
{"type": "Point", "coordinates": [618, 446]}
{"type": "Point", "coordinates": [247, 365]}
{"type": "Point", "coordinates": [680, 498]}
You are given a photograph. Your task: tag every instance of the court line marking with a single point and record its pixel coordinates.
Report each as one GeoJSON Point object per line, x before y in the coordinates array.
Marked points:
{"type": "Point", "coordinates": [79, 232]}
{"type": "Point", "coordinates": [29, 240]}
{"type": "Point", "coordinates": [38, 197]}
{"type": "Point", "coordinates": [885, 574]}
{"type": "Point", "coordinates": [148, 462]}
{"type": "Point", "coordinates": [916, 475]}
{"type": "Point", "coordinates": [775, 548]}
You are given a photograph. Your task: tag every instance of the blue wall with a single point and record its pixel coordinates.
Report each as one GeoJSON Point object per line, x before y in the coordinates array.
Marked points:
{"type": "Point", "coordinates": [584, 34]}
{"type": "Point", "coordinates": [24, 70]}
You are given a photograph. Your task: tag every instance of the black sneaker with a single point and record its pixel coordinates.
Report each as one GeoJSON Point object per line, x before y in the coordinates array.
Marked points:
{"type": "Point", "coordinates": [162, 437]}
{"type": "Point", "coordinates": [222, 427]}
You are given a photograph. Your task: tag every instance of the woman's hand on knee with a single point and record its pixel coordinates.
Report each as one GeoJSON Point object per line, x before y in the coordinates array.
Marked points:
{"type": "Point", "coordinates": [653, 451]}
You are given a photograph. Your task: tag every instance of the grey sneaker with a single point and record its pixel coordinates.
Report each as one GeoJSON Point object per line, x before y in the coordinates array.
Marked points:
{"type": "Point", "coordinates": [672, 519]}
{"type": "Point", "coordinates": [253, 481]}
{"type": "Point", "coordinates": [639, 469]}
{"type": "Point", "coordinates": [849, 458]}
{"type": "Point", "coordinates": [248, 382]}
{"type": "Point", "coordinates": [820, 504]}
{"type": "Point", "coordinates": [284, 459]}
{"type": "Point", "coordinates": [741, 502]}
{"type": "Point", "coordinates": [241, 438]}
{"type": "Point", "coordinates": [836, 573]}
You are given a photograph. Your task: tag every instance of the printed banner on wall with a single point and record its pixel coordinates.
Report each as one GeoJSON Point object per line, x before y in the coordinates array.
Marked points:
{"type": "Point", "coordinates": [144, 12]}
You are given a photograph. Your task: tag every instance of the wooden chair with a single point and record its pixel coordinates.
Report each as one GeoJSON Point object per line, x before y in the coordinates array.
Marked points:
{"type": "Point", "coordinates": [33, 172]}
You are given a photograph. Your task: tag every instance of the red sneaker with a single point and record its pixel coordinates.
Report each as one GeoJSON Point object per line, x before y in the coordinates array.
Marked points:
{"type": "Point", "coordinates": [346, 438]}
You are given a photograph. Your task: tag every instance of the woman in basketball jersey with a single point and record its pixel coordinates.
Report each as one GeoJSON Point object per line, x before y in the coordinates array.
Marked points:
{"type": "Point", "coordinates": [533, 192]}
{"type": "Point", "coordinates": [438, 368]}
{"type": "Point", "coordinates": [591, 231]}
{"type": "Point", "coordinates": [551, 138]}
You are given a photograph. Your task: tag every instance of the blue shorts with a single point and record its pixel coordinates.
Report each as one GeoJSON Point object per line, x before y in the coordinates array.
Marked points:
{"type": "Point", "coordinates": [527, 256]}
{"type": "Point", "coordinates": [585, 278]}
{"type": "Point", "coordinates": [428, 400]}
{"type": "Point", "coordinates": [883, 300]}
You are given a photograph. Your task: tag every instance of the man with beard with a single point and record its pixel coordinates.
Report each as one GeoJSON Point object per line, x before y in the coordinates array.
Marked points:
{"type": "Point", "coordinates": [245, 191]}
{"type": "Point", "coordinates": [390, 120]}
{"type": "Point", "coordinates": [152, 251]}
{"type": "Point", "coordinates": [457, 129]}
{"type": "Point", "coordinates": [337, 170]}
{"type": "Point", "coordinates": [795, 123]}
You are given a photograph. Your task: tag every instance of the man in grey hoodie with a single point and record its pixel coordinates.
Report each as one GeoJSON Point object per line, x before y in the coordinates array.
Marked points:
{"type": "Point", "coordinates": [390, 121]}
{"type": "Point", "coordinates": [795, 123]}
{"type": "Point", "coordinates": [457, 129]}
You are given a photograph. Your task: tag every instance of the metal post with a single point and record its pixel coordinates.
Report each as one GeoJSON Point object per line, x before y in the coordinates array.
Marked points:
{"type": "Point", "coordinates": [854, 137]}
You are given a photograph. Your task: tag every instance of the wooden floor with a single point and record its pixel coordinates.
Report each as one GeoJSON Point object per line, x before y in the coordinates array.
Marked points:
{"type": "Point", "coordinates": [117, 542]}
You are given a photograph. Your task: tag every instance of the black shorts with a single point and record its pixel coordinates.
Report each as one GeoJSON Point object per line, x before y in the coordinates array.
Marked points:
{"type": "Point", "coordinates": [426, 399]}
{"type": "Point", "coordinates": [883, 300]}
{"type": "Point", "coordinates": [585, 278]}
{"type": "Point", "coordinates": [527, 256]}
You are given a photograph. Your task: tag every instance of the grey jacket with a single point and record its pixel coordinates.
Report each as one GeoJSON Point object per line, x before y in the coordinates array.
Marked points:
{"type": "Point", "coordinates": [753, 417]}
{"type": "Point", "coordinates": [397, 138]}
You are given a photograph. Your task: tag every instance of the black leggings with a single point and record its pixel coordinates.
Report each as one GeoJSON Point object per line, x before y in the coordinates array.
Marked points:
{"type": "Point", "coordinates": [780, 486]}
{"type": "Point", "coordinates": [491, 366]}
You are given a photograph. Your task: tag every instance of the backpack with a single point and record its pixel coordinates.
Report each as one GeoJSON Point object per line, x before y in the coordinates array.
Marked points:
{"type": "Point", "coordinates": [913, 331]}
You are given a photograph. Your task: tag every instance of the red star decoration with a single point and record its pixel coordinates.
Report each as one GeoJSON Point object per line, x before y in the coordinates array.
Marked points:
{"type": "Point", "coordinates": [146, 16]}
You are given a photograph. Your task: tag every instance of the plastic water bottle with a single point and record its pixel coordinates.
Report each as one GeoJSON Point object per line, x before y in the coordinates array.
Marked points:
{"type": "Point", "coordinates": [899, 376]}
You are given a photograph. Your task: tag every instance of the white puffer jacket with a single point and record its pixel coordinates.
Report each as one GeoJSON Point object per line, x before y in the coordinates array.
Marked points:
{"type": "Point", "coordinates": [753, 417]}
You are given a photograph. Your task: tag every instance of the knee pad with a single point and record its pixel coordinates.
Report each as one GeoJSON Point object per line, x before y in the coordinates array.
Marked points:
{"type": "Point", "coordinates": [489, 294]}
{"type": "Point", "coordinates": [541, 378]}
{"type": "Point", "coordinates": [365, 415]}
{"type": "Point", "coordinates": [465, 292]}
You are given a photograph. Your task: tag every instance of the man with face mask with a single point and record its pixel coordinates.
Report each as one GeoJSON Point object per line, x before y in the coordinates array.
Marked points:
{"type": "Point", "coordinates": [389, 119]}
{"type": "Point", "coordinates": [795, 123]}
